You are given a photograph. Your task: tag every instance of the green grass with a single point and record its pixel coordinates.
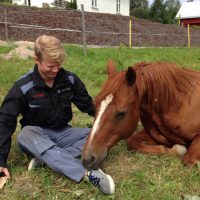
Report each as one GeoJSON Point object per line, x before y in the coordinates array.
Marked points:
{"type": "Point", "coordinates": [136, 176]}
{"type": "Point", "coordinates": [6, 49]}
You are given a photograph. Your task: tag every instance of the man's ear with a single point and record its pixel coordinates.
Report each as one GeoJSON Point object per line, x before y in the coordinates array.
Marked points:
{"type": "Point", "coordinates": [36, 60]}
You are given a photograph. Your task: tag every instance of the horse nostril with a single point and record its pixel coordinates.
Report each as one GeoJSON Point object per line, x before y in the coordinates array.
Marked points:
{"type": "Point", "coordinates": [90, 159]}
{"type": "Point", "coordinates": [87, 161]}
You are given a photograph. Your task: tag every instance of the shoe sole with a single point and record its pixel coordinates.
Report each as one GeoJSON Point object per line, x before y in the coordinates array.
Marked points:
{"type": "Point", "coordinates": [34, 164]}
{"type": "Point", "coordinates": [112, 184]}
{"type": "Point", "coordinates": [31, 165]}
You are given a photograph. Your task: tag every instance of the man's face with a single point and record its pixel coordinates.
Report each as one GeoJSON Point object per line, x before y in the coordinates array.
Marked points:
{"type": "Point", "coordinates": [48, 69]}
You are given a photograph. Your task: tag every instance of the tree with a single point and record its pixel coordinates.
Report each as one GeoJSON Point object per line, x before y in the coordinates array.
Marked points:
{"type": "Point", "coordinates": [72, 5]}
{"type": "Point", "coordinates": [65, 4]}
{"type": "Point", "coordinates": [164, 12]}
{"type": "Point", "coordinates": [172, 7]}
{"type": "Point", "coordinates": [157, 12]}
{"type": "Point", "coordinates": [139, 8]}
{"type": "Point", "coordinates": [6, 1]}
{"type": "Point", "coordinates": [139, 3]}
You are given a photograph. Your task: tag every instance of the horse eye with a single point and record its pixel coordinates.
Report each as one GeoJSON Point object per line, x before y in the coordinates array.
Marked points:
{"type": "Point", "coordinates": [120, 115]}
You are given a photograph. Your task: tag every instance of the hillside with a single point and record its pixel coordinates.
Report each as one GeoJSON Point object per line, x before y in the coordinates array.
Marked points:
{"type": "Point", "coordinates": [26, 23]}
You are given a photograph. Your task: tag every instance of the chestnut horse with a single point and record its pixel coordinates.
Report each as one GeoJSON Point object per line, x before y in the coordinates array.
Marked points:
{"type": "Point", "coordinates": [164, 96]}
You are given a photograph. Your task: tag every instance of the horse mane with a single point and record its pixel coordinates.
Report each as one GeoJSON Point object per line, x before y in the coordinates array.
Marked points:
{"type": "Point", "coordinates": [162, 84]}
{"type": "Point", "coordinates": [158, 84]}
{"type": "Point", "coordinates": [114, 83]}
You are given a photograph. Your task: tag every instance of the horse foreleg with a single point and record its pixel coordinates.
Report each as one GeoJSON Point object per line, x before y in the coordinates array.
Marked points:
{"type": "Point", "coordinates": [136, 139]}
{"type": "Point", "coordinates": [193, 154]}
{"type": "Point", "coordinates": [143, 143]}
{"type": "Point", "coordinates": [177, 149]}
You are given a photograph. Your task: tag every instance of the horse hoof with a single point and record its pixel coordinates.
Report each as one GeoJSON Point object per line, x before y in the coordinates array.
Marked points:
{"type": "Point", "coordinates": [180, 149]}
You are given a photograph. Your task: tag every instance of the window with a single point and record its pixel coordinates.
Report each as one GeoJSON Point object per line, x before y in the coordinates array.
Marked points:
{"type": "Point", "coordinates": [117, 6]}
{"type": "Point", "coordinates": [27, 2]}
{"type": "Point", "coordinates": [94, 3]}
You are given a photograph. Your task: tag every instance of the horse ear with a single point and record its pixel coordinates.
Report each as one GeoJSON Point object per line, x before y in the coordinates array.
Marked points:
{"type": "Point", "coordinates": [130, 76]}
{"type": "Point", "coordinates": [111, 68]}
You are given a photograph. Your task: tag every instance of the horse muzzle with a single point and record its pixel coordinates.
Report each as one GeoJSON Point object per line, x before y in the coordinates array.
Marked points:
{"type": "Point", "coordinates": [93, 161]}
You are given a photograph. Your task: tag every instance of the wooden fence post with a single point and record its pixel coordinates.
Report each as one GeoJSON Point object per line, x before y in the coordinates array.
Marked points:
{"type": "Point", "coordinates": [83, 29]}
{"type": "Point", "coordinates": [130, 33]}
{"type": "Point", "coordinates": [188, 35]}
{"type": "Point", "coordinates": [6, 24]}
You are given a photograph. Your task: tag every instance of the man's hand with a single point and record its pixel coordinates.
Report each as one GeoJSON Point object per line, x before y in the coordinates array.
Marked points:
{"type": "Point", "coordinates": [5, 171]}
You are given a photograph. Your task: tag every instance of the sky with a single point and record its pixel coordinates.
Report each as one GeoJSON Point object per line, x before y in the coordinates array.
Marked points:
{"type": "Point", "coordinates": [150, 1]}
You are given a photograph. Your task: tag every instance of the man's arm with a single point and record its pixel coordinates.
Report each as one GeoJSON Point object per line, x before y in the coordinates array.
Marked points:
{"type": "Point", "coordinates": [9, 111]}
{"type": "Point", "coordinates": [81, 97]}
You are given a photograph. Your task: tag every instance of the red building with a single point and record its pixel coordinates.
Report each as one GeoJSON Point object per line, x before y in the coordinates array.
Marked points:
{"type": "Point", "coordinates": [189, 13]}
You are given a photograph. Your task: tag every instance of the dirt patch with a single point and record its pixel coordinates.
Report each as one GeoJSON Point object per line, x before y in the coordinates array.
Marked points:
{"type": "Point", "coordinates": [3, 43]}
{"type": "Point", "coordinates": [23, 50]}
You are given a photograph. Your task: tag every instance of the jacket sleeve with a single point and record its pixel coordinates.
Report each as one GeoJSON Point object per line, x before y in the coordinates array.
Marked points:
{"type": "Point", "coordinates": [81, 98]}
{"type": "Point", "coordinates": [9, 111]}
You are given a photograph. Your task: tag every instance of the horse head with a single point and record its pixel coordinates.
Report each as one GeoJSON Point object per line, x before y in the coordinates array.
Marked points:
{"type": "Point", "coordinates": [117, 115]}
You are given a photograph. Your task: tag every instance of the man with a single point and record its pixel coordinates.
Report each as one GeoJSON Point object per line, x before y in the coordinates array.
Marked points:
{"type": "Point", "coordinates": [43, 97]}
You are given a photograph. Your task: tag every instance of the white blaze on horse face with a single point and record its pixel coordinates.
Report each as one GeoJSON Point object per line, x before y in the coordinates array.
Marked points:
{"type": "Point", "coordinates": [104, 105]}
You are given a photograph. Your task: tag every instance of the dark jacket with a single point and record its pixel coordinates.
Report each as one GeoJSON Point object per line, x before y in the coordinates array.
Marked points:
{"type": "Point", "coordinates": [40, 105]}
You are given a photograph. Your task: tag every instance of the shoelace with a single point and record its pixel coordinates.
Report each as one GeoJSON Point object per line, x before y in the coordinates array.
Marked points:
{"type": "Point", "coordinates": [94, 180]}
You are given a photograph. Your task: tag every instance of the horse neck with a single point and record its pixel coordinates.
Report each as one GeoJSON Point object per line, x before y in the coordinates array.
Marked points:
{"type": "Point", "coordinates": [160, 85]}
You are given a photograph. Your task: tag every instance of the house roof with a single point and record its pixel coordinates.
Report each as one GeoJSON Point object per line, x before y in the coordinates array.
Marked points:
{"type": "Point", "coordinates": [189, 10]}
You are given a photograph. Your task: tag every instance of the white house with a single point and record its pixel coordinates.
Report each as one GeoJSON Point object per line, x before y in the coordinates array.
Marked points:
{"type": "Point", "coordinates": [33, 2]}
{"type": "Point", "coordinates": [189, 13]}
{"type": "Point", "coordinates": [120, 7]}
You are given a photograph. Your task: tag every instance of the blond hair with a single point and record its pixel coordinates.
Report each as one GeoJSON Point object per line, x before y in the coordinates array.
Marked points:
{"type": "Point", "coordinates": [50, 47]}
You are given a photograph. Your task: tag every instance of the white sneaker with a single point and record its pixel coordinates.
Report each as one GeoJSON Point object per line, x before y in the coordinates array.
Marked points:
{"type": "Point", "coordinates": [34, 163]}
{"type": "Point", "coordinates": [101, 180]}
